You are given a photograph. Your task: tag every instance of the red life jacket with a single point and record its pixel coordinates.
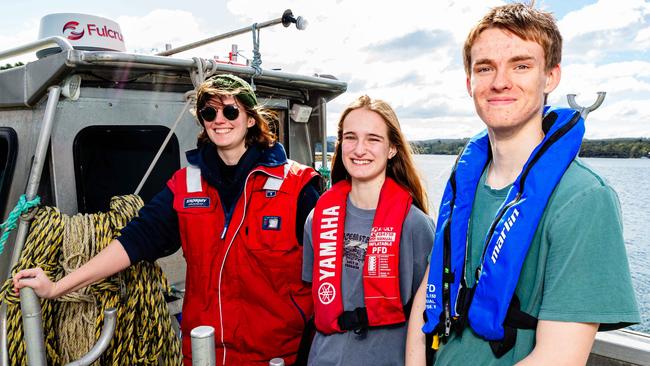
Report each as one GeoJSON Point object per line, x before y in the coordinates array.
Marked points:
{"type": "Point", "coordinates": [244, 280]}
{"type": "Point", "coordinates": [381, 268]}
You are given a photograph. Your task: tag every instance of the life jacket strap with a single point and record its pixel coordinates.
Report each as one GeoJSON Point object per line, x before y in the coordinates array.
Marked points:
{"type": "Point", "coordinates": [429, 350]}
{"type": "Point", "coordinates": [357, 319]}
{"type": "Point", "coordinates": [515, 319]}
{"type": "Point", "coordinates": [464, 301]}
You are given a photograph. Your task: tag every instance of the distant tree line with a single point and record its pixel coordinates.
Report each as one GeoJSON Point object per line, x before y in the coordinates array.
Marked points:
{"type": "Point", "coordinates": [616, 148]}
{"type": "Point", "coordinates": [9, 66]}
{"type": "Point", "coordinates": [608, 148]}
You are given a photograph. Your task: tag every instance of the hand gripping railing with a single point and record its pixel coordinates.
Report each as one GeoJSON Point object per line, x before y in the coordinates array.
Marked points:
{"type": "Point", "coordinates": [108, 329]}
{"type": "Point", "coordinates": [584, 111]}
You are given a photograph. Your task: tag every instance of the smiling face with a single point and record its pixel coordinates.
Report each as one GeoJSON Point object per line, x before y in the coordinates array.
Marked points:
{"type": "Point", "coordinates": [508, 81]}
{"type": "Point", "coordinates": [365, 146]}
{"type": "Point", "coordinates": [228, 135]}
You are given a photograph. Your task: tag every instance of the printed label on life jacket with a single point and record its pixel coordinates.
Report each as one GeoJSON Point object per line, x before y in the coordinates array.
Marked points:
{"type": "Point", "coordinates": [271, 222]}
{"type": "Point", "coordinates": [196, 202]}
{"type": "Point", "coordinates": [502, 235]}
{"type": "Point", "coordinates": [327, 243]}
{"type": "Point", "coordinates": [380, 261]}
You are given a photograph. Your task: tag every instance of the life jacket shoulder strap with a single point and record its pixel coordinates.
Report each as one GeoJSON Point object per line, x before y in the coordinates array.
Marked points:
{"type": "Point", "coordinates": [515, 319]}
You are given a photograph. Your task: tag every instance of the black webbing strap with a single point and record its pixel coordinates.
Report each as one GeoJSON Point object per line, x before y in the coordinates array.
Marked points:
{"type": "Point", "coordinates": [357, 319]}
{"type": "Point", "coordinates": [429, 352]}
{"type": "Point", "coordinates": [463, 302]}
{"type": "Point", "coordinates": [515, 319]}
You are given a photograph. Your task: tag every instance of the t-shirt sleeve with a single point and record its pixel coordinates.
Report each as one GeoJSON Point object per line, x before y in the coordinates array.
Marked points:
{"type": "Point", "coordinates": [587, 276]}
{"type": "Point", "coordinates": [154, 232]}
{"type": "Point", "coordinates": [416, 243]}
{"type": "Point", "coordinates": [307, 250]}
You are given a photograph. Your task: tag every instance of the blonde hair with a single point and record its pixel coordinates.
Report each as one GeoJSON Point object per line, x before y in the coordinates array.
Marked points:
{"type": "Point", "coordinates": [525, 22]}
{"type": "Point", "coordinates": [401, 168]}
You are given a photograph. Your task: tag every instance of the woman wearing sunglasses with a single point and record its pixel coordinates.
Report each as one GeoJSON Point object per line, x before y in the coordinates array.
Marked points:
{"type": "Point", "coordinates": [364, 242]}
{"type": "Point", "coordinates": [238, 212]}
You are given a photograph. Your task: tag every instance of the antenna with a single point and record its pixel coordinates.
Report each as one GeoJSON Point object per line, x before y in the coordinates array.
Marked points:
{"type": "Point", "coordinates": [286, 20]}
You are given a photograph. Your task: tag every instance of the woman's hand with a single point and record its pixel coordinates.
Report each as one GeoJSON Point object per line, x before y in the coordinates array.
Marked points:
{"type": "Point", "coordinates": [37, 280]}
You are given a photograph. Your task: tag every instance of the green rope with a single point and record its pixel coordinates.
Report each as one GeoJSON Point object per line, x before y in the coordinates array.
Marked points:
{"type": "Point", "coordinates": [21, 207]}
{"type": "Point", "coordinates": [325, 173]}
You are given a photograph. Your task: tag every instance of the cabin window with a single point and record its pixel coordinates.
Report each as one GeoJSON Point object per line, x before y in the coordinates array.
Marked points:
{"type": "Point", "coordinates": [111, 160]}
{"type": "Point", "coordinates": [8, 152]}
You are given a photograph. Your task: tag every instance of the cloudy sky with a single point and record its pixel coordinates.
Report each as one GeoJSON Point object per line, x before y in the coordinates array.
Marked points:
{"type": "Point", "coordinates": [402, 52]}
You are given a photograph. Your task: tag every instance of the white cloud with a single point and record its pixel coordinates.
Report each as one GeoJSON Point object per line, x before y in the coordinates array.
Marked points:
{"type": "Point", "coordinates": [642, 39]}
{"type": "Point", "coordinates": [603, 15]}
{"type": "Point", "coordinates": [152, 31]}
{"type": "Point", "coordinates": [28, 32]}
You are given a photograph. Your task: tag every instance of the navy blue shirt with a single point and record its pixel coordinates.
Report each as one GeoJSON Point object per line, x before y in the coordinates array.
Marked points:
{"type": "Point", "coordinates": [154, 233]}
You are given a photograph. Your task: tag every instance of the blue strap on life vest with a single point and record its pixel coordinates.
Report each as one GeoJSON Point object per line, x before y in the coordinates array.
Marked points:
{"type": "Point", "coordinates": [510, 234]}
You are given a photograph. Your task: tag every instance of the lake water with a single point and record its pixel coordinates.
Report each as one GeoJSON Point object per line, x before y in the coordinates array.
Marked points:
{"type": "Point", "coordinates": [631, 180]}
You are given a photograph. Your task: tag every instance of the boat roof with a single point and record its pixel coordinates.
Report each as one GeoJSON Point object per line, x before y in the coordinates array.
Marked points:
{"type": "Point", "coordinates": [24, 86]}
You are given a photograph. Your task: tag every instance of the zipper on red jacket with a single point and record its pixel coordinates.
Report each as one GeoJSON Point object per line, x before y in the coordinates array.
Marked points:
{"type": "Point", "coordinates": [223, 236]}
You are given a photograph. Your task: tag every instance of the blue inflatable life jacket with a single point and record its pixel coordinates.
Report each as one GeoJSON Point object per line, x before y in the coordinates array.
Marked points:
{"type": "Point", "coordinates": [488, 306]}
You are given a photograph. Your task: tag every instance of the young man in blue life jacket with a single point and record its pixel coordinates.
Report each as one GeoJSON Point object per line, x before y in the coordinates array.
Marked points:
{"type": "Point", "coordinates": [529, 260]}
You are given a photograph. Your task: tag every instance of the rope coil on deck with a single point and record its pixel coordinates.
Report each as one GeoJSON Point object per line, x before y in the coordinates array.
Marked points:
{"type": "Point", "coordinates": [59, 244]}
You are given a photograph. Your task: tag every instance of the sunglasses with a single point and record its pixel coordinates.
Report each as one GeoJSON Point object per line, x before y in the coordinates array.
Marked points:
{"type": "Point", "coordinates": [230, 111]}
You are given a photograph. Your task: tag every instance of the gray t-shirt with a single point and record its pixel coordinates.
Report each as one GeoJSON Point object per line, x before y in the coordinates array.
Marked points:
{"type": "Point", "coordinates": [381, 345]}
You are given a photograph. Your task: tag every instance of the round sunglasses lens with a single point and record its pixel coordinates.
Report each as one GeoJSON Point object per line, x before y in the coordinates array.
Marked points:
{"type": "Point", "coordinates": [230, 112]}
{"type": "Point", "coordinates": [208, 114]}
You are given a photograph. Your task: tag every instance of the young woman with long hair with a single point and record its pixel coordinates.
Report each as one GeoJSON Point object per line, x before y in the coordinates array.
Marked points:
{"type": "Point", "coordinates": [366, 241]}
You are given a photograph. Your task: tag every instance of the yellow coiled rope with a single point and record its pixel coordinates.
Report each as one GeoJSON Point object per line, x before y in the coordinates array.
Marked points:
{"type": "Point", "coordinates": [60, 244]}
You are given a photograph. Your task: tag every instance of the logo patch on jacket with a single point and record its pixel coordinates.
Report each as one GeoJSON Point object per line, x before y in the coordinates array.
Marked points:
{"type": "Point", "coordinates": [271, 223]}
{"type": "Point", "coordinates": [196, 202]}
{"type": "Point", "coordinates": [270, 193]}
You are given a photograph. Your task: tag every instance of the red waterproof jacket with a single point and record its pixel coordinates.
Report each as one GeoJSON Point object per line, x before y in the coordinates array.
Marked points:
{"type": "Point", "coordinates": [244, 276]}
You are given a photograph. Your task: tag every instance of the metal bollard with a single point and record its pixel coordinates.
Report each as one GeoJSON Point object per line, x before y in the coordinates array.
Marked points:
{"type": "Point", "coordinates": [203, 346]}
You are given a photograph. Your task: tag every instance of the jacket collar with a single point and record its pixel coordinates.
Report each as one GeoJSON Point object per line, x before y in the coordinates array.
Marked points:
{"type": "Point", "coordinates": [205, 157]}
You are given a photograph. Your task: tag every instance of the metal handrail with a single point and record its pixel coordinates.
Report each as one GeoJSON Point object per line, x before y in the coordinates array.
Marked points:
{"type": "Point", "coordinates": [30, 307]}
{"type": "Point", "coordinates": [624, 346]}
{"type": "Point", "coordinates": [108, 329]}
{"type": "Point", "coordinates": [32, 189]}
{"type": "Point", "coordinates": [37, 45]}
{"type": "Point", "coordinates": [113, 58]}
